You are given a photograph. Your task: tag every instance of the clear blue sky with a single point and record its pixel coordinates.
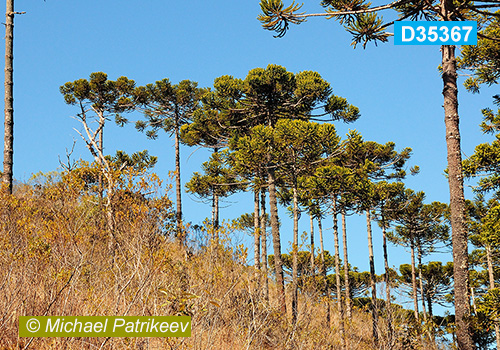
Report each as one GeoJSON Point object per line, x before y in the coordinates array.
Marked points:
{"type": "Point", "coordinates": [397, 88]}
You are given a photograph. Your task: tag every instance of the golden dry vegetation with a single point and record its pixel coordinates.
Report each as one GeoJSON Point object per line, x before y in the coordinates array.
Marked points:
{"type": "Point", "coordinates": [55, 260]}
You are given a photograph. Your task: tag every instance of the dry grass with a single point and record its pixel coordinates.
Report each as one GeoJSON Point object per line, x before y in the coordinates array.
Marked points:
{"type": "Point", "coordinates": [55, 260]}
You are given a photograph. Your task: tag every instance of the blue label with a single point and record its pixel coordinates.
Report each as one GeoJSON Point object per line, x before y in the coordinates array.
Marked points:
{"type": "Point", "coordinates": [435, 33]}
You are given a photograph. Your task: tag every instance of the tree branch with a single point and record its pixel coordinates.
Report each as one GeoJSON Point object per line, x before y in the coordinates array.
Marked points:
{"type": "Point", "coordinates": [356, 12]}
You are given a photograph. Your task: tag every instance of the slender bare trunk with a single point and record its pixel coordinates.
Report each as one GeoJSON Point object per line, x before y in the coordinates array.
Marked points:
{"type": "Point", "coordinates": [455, 180]}
{"type": "Point", "coordinates": [473, 297]}
{"type": "Point", "coordinates": [178, 189]}
{"type": "Point", "coordinates": [295, 253]}
{"type": "Point", "coordinates": [104, 208]}
{"type": "Point", "coordinates": [312, 242]}
{"type": "Point", "coordinates": [110, 211]}
{"type": "Point", "coordinates": [216, 216]}
{"type": "Point", "coordinates": [429, 305]}
{"type": "Point", "coordinates": [340, 306]}
{"type": "Point", "coordinates": [8, 150]}
{"type": "Point", "coordinates": [387, 283]}
{"type": "Point", "coordinates": [428, 328]}
{"type": "Point", "coordinates": [326, 289]}
{"type": "Point", "coordinates": [414, 282]}
{"type": "Point", "coordinates": [100, 144]}
{"type": "Point", "coordinates": [489, 262]}
{"type": "Point", "coordinates": [213, 214]}
{"type": "Point", "coordinates": [109, 207]}
{"type": "Point", "coordinates": [275, 228]}
{"type": "Point", "coordinates": [420, 282]}
{"type": "Point", "coordinates": [278, 264]}
{"type": "Point", "coordinates": [256, 227]}
{"type": "Point", "coordinates": [373, 282]}
{"type": "Point", "coordinates": [264, 240]}
{"type": "Point", "coordinates": [348, 301]}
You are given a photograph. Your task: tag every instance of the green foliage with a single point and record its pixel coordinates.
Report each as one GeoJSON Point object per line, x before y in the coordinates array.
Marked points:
{"type": "Point", "coordinates": [488, 312]}
{"type": "Point", "coordinates": [339, 109]}
{"type": "Point", "coordinates": [419, 225]}
{"type": "Point", "coordinates": [100, 94]}
{"type": "Point", "coordinates": [277, 18]}
{"type": "Point", "coordinates": [304, 262]}
{"type": "Point", "coordinates": [272, 93]}
{"type": "Point", "coordinates": [250, 152]}
{"type": "Point", "coordinates": [489, 305]}
{"type": "Point", "coordinates": [97, 99]}
{"type": "Point", "coordinates": [294, 148]}
{"type": "Point", "coordinates": [484, 162]}
{"type": "Point", "coordinates": [483, 59]}
{"type": "Point", "coordinates": [367, 27]}
{"type": "Point", "coordinates": [334, 6]}
{"type": "Point", "coordinates": [299, 146]}
{"type": "Point", "coordinates": [436, 279]}
{"type": "Point", "coordinates": [204, 129]}
{"type": "Point", "coordinates": [218, 179]}
{"type": "Point", "coordinates": [219, 117]}
{"type": "Point", "coordinates": [138, 161]}
{"type": "Point", "coordinates": [246, 222]}
{"type": "Point", "coordinates": [359, 281]}
{"type": "Point", "coordinates": [363, 22]}
{"type": "Point", "coordinates": [379, 161]}
{"type": "Point", "coordinates": [167, 106]}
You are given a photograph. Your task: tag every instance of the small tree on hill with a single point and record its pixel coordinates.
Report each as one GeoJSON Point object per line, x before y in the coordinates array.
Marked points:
{"type": "Point", "coordinates": [97, 100]}
{"type": "Point", "coordinates": [168, 107]}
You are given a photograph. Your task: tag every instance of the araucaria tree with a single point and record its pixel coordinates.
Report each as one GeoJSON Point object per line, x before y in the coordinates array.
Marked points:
{"type": "Point", "coordinates": [363, 21]}
{"type": "Point", "coordinates": [381, 162]}
{"type": "Point", "coordinates": [219, 180]}
{"type": "Point", "coordinates": [299, 148]}
{"type": "Point", "coordinates": [97, 99]}
{"type": "Point", "coordinates": [169, 106]}
{"type": "Point", "coordinates": [420, 227]}
{"type": "Point", "coordinates": [484, 163]}
{"type": "Point", "coordinates": [265, 96]}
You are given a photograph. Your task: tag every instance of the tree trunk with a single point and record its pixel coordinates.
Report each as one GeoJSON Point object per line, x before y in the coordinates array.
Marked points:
{"type": "Point", "coordinates": [8, 150]}
{"type": "Point", "coordinates": [455, 180]}
{"type": "Point", "coordinates": [256, 227]}
{"type": "Point", "coordinates": [489, 261]}
{"type": "Point", "coordinates": [100, 145]}
{"type": "Point", "coordinates": [428, 327]}
{"type": "Point", "coordinates": [178, 189]}
{"type": "Point", "coordinates": [278, 264]}
{"type": "Point", "coordinates": [348, 302]}
{"type": "Point", "coordinates": [340, 306]}
{"type": "Point", "coordinates": [429, 305]}
{"type": "Point", "coordinates": [295, 253]}
{"type": "Point", "coordinates": [414, 282]}
{"type": "Point", "coordinates": [491, 278]}
{"type": "Point", "coordinates": [373, 282]}
{"type": "Point", "coordinates": [473, 298]}
{"type": "Point", "coordinates": [312, 243]}
{"type": "Point", "coordinates": [420, 282]}
{"type": "Point", "coordinates": [387, 283]}
{"type": "Point", "coordinates": [326, 289]}
{"type": "Point", "coordinates": [110, 213]}
{"type": "Point", "coordinates": [216, 216]}
{"type": "Point", "coordinates": [109, 207]}
{"type": "Point", "coordinates": [264, 241]}
{"type": "Point", "coordinates": [275, 228]}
